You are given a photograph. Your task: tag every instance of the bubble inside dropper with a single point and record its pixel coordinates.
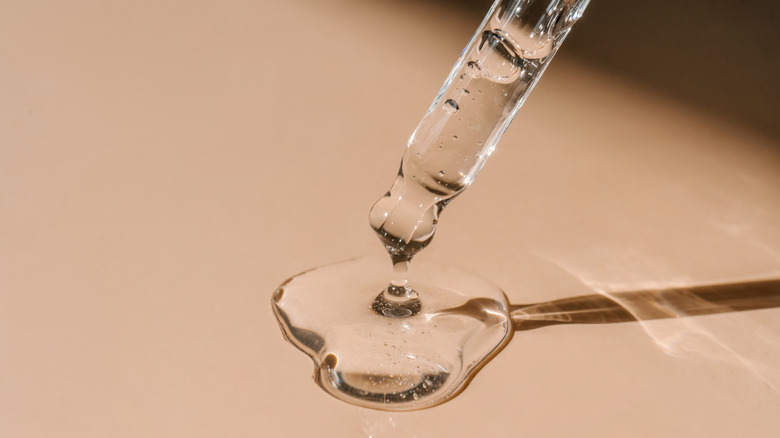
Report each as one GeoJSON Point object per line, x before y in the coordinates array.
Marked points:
{"type": "Point", "coordinates": [451, 106]}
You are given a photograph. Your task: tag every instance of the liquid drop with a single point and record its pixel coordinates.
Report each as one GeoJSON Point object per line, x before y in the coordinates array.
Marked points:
{"type": "Point", "coordinates": [427, 358]}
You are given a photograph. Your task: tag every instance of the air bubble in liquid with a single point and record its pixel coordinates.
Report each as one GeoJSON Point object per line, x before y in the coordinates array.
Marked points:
{"type": "Point", "coordinates": [498, 60]}
{"type": "Point", "coordinates": [451, 106]}
{"type": "Point", "coordinates": [473, 69]}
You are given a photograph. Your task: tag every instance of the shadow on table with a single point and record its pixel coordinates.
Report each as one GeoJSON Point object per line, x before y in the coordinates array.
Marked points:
{"type": "Point", "coordinates": [647, 305]}
{"type": "Point", "coordinates": [719, 56]}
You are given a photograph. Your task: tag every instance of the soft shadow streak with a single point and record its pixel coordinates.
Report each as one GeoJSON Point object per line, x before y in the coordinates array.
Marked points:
{"type": "Point", "coordinates": [648, 305]}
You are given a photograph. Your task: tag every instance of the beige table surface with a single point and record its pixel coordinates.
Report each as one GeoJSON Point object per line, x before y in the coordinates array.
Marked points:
{"type": "Point", "coordinates": [164, 165]}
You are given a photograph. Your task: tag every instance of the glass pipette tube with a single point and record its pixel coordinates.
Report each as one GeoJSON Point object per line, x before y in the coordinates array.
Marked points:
{"type": "Point", "coordinates": [487, 86]}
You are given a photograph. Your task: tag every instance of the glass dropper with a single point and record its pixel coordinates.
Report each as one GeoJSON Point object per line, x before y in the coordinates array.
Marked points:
{"type": "Point", "coordinates": [487, 86]}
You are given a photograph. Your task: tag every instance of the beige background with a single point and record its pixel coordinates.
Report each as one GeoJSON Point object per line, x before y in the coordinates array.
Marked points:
{"type": "Point", "coordinates": [164, 165]}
